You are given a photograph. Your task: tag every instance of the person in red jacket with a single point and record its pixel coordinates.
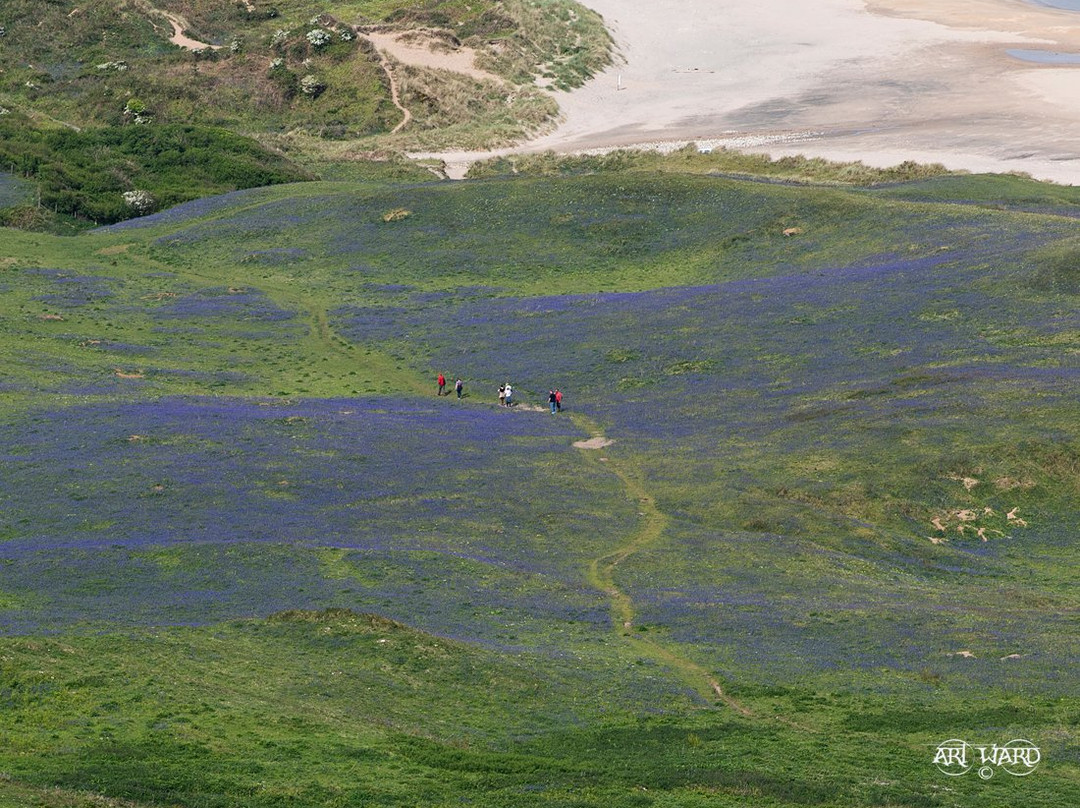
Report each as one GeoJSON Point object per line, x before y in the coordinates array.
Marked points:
{"type": "Point", "coordinates": [558, 400]}
{"type": "Point", "coordinates": [442, 384]}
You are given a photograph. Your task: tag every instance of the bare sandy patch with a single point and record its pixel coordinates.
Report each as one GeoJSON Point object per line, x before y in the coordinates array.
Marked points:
{"type": "Point", "coordinates": [1010, 483]}
{"type": "Point", "coordinates": [178, 25]}
{"type": "Point", "coordinates": [593, 443]}
{"type": "Point", "coordinates": [425, 50]}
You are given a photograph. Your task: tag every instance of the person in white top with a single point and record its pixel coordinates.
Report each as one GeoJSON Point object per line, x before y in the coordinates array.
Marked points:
{"type": "Point", "coordinates": [507, 391]}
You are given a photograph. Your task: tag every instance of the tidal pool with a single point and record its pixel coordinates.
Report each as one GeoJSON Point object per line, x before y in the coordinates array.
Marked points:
{"type": "Point", "coordinates": [1071, 5]}
{"type": "Point", "coordinates": [1045, 57]}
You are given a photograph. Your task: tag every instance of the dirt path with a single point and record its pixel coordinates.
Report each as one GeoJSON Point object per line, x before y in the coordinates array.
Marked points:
{"type": "Point", "coordinates": [425, 54]}
{"type": "Point", "coordinates": [179, 25]}
{"type": "Point", "coordinates": [601, 572]}
{"type": "Point", "coordinates": [395, 90]}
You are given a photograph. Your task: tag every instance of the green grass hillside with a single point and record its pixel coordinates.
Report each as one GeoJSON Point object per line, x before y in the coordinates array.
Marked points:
{"type": "Point", "coordinates": [807, 513]}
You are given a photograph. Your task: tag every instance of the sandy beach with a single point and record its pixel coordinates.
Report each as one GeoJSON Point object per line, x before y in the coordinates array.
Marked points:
{"type": "Point", "coordinates": [880, 81]}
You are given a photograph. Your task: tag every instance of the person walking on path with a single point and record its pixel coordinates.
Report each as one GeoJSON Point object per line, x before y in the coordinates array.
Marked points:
{"type": "Point", "coordinates": [459, 385]}
{"type": "Point", "coordinates": [552, 400]}
{"type": "Point", "coordinates": [442, 384]}
{"type": "Point", "coordinates": [508, 391]}
{"type": "Point", "coordinates": [502, 395]}
{"type": "Point", "coordinates": [558, 400]}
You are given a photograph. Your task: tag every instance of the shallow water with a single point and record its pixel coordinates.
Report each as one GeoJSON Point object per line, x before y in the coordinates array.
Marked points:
{"type": "Point", "coordinates": [1071, 5]}
{"type": "Point", "coordinates": [1044, 56]}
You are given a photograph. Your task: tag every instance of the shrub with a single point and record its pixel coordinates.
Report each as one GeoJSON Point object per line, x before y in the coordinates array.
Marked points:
{"type": "Point", "coordinates": [312, 85]}
{"type": "Point", "coordinates": [318, 37]}
{"type": "Point", "coordinates": [142, 202]}
{"type": "Point", "coordinates": [136, 111]}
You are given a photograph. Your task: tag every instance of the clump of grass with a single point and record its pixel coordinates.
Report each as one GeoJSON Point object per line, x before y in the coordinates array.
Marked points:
{"type": "Point", "coordinates": [338, 616]}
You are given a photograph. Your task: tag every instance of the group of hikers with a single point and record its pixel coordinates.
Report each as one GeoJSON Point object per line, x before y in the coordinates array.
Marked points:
{"type": "Point", "coordinates": [506, 393]}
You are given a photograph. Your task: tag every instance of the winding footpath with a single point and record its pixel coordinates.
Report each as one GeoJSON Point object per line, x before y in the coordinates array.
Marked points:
{"type": "Point", "coordinates": [395, 89]}
{"type": "Point", "coordinates": [601, 574]}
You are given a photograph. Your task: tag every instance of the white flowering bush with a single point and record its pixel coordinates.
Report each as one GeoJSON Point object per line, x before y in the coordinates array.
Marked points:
{"type": "Point", "coordinates": [279, 37]}
{"type": "Point", "coordinates": [311, 85]}
{"type": "Point", "coordinates": [142, 202]}
{"type": "Point", "coordinates": [346, 36]}
{"type": "Point", "coordinates": [277, 64]}
{"type": "Point", "coordinates": [235, 45]}
{"type": "Point", "coordinates": [318, 37]}
{"type": "Point", "coordinates": [119, 66]}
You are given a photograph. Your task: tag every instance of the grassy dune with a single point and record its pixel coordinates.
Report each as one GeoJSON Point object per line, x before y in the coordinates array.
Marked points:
{"type": "Point", "coordinates": [97, 104]}
{"type": "Point", "coordinates": [251, 559]}
{"type": "Point", "coordinates": [107, 63]}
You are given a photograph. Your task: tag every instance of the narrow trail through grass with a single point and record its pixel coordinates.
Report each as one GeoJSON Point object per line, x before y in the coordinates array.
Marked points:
{"type": "Point", "coordinates": [322, 341]}
{"type": "Point", "coordinates": [601, 574]}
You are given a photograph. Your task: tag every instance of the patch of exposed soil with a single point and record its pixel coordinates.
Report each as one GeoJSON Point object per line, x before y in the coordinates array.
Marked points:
{"type": "Point", "coordinates": [598, 442]}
